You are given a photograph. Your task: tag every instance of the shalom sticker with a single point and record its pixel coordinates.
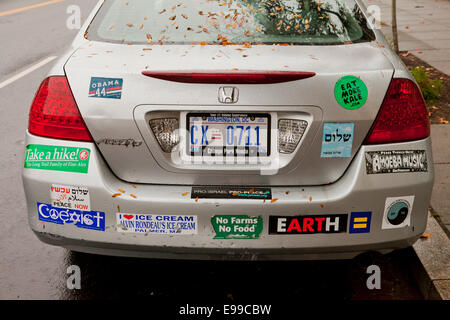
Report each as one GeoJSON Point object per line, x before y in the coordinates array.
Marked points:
{"type": "Point", "coordinates": [350, 92]}
{"type": "Point", "coordinates": [337, 140]}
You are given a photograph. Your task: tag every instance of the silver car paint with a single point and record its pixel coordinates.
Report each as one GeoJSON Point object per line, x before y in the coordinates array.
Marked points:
{"type": "Point", "coordinates": [353, 189]}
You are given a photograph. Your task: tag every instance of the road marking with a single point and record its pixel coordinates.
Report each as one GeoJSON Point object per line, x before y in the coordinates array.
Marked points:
{"type": "Point", "coordinates": [37, 5]}
{"type": "Point", "coordinates": [27, 71]}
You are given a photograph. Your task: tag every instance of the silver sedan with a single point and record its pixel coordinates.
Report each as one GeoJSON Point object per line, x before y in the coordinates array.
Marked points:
{"type": "Point", "coordinates": [228, 129]}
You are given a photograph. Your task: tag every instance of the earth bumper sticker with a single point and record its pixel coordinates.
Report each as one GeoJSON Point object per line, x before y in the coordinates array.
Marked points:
{"type": "Point", "coordinates": [337, 140]}
{"type": "Point", "coordinates": [397, 212]}
{"type": "Point", "coordinates": [159, 224]}
{"type": "Point", "coordinates": [70, 197]}
{"type": "Point", "coordinates": [105, 88]}
{"type": "Point", "coordinates": [332, 223]}
{"type": "Point", "coordinates": [231, 193]}
{"type": "Point", "coordinates": [237, 226]}
{"type": "Point", "coordinates": [350, 92]}
{"type": "Point", "coordinates": [93, 220]}
{"type": "Point", "coordinates": [44, 157]}
{"type": "Point", "coordinates": [394, 161]}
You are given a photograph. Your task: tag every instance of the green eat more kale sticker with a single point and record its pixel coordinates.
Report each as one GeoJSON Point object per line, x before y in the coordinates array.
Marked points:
{"type": "Point", "coordinates": [70, 159]}
{"type": "Point", "coordinates": [350, 92]}
{"type": "Point", "coordinates": [237, 226]}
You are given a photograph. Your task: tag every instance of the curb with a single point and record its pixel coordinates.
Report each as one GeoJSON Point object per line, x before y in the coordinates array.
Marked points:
{"type": "Point", "coordinates": [433, 272]}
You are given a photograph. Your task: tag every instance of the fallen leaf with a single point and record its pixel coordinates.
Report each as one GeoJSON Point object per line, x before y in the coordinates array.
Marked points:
{"type": "Point", "coordinates": [185, 194]}
{"type": "Point", "coordinates": [196, 199]}
{"type": "Point", "coordinates": [425, 235]}
{"type": "Point", "coordinates": [121, 190]}
{"type": "Point", "coordinates": [116, 195]}
{"type": "Point", "coordinates": [118, 208]}
{"type": "Point", "coordinates": [273, 200]}
{"type": "Point", "coordinates": [310, 199]}
{"type": "Point", "coordinates": [287, 192]}
{"type": "Point", "coordinates": [132, 195]}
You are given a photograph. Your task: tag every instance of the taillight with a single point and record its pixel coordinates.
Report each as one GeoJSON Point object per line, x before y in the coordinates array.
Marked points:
{"type": "Point", "coordinates": [403, 116]}
{"type": "Point", "coordinates": [54, 112]}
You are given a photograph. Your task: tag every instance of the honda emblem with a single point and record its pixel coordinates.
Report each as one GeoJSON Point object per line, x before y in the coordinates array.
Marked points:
{"type": "Point", "coordinates": [228, 94]}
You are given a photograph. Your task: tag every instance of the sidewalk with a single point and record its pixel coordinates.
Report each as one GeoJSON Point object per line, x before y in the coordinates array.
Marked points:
{"type": "Point", "coordinates": [423, 28]}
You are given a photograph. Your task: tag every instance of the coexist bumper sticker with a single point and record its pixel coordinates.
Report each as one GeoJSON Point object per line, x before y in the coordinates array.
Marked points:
{"type": "Point", "coordinates": [159, 224]}
{"type": "Point", "coordinates": [237, 226]}
{"type": "Point", "coordinates": [393, 161]}
{"type": "Point", "coordinates": [44, 157]}
{"type": "Point", "coordinates": [94, 220]}
{"type": "Point", "coordinates": [333, 223]}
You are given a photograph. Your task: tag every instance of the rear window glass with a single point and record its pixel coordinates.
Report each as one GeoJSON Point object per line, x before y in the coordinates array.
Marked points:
{"type": "Point", "coordinates": [230, 22]}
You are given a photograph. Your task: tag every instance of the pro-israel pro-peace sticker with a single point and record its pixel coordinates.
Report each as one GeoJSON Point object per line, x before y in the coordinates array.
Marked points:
{"type": "Point", "coordinates": [350, 92]}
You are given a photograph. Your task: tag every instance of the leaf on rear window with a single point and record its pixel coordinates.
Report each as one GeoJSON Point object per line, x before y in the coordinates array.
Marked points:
{"type": "Point", "coordinates": [173, 17]}
{"type": "Point", "coordinates": [129, 25]}
{"type": "Point", "coordinates": [116, 195]}
{"type": "Point", "coordinates": [132, 195]}
{"type": "Point", "coordinates": [185, 194]}
{"type": "Point", "coordinates": [121, 190]}
{"type": "Point", "coordinates": [162, 11]}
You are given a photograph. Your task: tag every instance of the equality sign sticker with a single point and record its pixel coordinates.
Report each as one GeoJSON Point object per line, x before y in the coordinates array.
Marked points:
{"type": "Point", "coordinates": [394, 161]}
{"type": "Point", "coordinates": [350, 92]}
{"type": "Point", "coordinates": [70, 197]}
{"type": "Point", "coordinates": [94, 220]}
{"type": "Point", "coordinates": [237, 226]}
{"type": "Point", "coordinates": [337, 140]}
{"type": "Point", "coordinates": [44, 157]}
{"type": "Point", "coordinates": [105, 88]}
{"type": "Point", "coordinates": [156, 224]}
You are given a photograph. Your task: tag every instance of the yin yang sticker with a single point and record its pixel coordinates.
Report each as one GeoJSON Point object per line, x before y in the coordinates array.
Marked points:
{"type": "Point", "coordinates": [397, 212]}
{"type": "Point", "coordinates": [350, 92]}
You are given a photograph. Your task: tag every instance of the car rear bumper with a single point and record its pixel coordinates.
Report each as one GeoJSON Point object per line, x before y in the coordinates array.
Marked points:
{"type": "Point", "coordinates": [355, 191]}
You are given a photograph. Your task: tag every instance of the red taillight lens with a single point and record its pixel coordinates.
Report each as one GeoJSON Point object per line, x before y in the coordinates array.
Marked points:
{"type": "Point", "coordinates": [237, 77]}
{"type": "Point", "coordinates": [54, 112]}
{"type": "Point", "coordinates": [403, 116]}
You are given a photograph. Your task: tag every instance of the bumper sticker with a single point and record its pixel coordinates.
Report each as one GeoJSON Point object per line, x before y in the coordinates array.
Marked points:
{"type": "Point", "coordinates": [360, 222]}
{"type": "Point", "coordinates": [397, 212]}
{"type": "Point", "coordinates": [337, 140]}
{"type": "Point", "coordinates": [230, 193]}
{"type": "Point", "coordinates": [94, 220]}
{"type": "Point", "coordinates": [44, 157]}
{"type": "Point", "coordinates": [350, 92]}
{"type": "Point", "coordinates": [332, 223]}
{"type": "Point", "coordinates": [393, 161]}
{"type": "Point", "coordinates": [70, 197]}
{"type": "Point", "coordinates": [105, 88]}
{"type": "Point", "coordinates": [237, 226]}
{"type": "Point", "coordinates": [159, 224]}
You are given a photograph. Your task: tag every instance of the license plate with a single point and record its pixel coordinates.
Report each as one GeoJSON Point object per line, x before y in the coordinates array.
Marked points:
{"type": "Point", "coordinates": [228, 134]}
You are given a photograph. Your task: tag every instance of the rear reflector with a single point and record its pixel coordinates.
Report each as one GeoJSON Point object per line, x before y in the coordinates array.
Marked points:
{"type": "Point", "coordinates": [403, 115]}
{"type": "Point", "coordinates": [237, 77]}
{"type": "Point", "coordinates": [54, 112]}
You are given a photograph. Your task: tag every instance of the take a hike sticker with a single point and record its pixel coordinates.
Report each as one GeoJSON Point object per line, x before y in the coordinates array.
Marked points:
{"type": "Point", "coordinates": [237, 226]}
{"type": "Point", "coordinates": [350, 92]}
{"type": "Point", "coordinates": [58, 158]}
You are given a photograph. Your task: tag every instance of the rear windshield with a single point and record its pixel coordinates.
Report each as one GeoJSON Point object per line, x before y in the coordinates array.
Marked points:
{"type": "Point", "coordinates": [230, 22]}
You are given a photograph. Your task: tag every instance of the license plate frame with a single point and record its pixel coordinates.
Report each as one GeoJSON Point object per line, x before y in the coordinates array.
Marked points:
{"type": "Point", "coordinates": [248, 151]}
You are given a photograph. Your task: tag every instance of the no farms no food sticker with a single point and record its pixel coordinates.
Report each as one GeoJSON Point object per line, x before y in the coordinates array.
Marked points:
{"type": "Point", "coordinates": [350, 92]}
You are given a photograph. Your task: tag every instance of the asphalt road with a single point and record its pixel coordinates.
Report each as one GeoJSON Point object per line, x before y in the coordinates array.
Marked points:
{"type": "Point", "coordinates": [30, 269]}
